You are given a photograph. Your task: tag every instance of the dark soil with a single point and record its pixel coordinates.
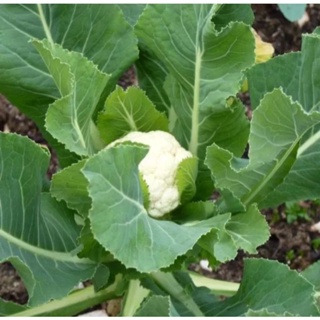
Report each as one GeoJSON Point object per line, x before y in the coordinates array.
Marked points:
{"type": "Point", "coordinates": [294, 244]}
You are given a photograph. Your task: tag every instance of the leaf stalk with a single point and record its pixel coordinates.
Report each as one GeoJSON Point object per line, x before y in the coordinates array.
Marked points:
{"type": "Point", "coordinates": [168, 283]}
{"type": "Point", "coordinates": [74, 303]}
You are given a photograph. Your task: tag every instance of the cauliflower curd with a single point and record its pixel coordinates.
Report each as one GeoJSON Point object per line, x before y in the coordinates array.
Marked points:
{"type": "Point", "coordinates": [158, 168]}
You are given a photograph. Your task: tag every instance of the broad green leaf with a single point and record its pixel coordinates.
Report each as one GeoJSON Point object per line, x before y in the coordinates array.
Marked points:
{"type": "Point", "coordinates": [205, 68]}
{"type": "Point", "coordinates": [262, 77]}
{"type": "Point", "coordinates": [270, 286]}
{"type": "Point", "coordinates": [246, 231]}
{"type": "Point", "coordinates": [8, 308]}
{"type": "Point", "coordinates": [312, 274]}
{"type": "Point", "coordinates": [186, 177]}
{"type": "Point", "coordinates": [195, 211]}
{"type": "Point", "coordinates": [101, 278]}
{"type": "Point", "coordinates": [126, 111]}
{"type": "Point", "coordinates": [152, 72]}
{"type": "Point", "coordinates": [91, 248]}
{"type": "Point", "coordinates": [274, 139]}
{"type": "Point", "coordinates": [292, 12]}
{"type": "Point", "coordinates": [37, 234]}
{"type": "Point", "coordinates": [224, 123]}
{"type": "Point", "coordinates": [151, 75]}
{"type": "Point", "coordinates": [119, 221]}
{"type": "Point", "coordinates": [24, 78]}
{"type": "Point", "coordinates": [264, 313]}
{"type": "Point", "coordinates": [298, 74]}
{"type": "Point", "coordinates": [70, 185]}
{"type": "Point", "coordinates": [227, 202]}
{"type": "Point", "coordinates": [155, 306]}
{"type": "Point", "coordinates": [132, 11]}
{"type": "Point", "coordinates": [233, 12]}
{"type": "Point", "coordinates": [219, 243]}
{"type": "Point", "coordinates": [81, 84]}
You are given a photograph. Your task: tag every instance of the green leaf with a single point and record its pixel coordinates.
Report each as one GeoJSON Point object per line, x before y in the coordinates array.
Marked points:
{"type": "Point", "coordinates": [145, 191]}
{"type": "Point", "coordinates": [132, 11]}
{"type": "Point", "coordinates": [292, 12]}
{"type": "Point", "coordinates": [270, 286]}
{"type": "Point", "coordinates": [119, 220]}
{"type": "Point", "coordinates": [312, 274]}
{"type": "Point", "coordinates": [151, 75]}
{"type": "Point", "coordinates": [262, 313]}
{"type": "Point", "coordinates": [205, 68]}
{"type": "Point", "coordinates": [8, 308]}
{"type": "Point", "coordinates": [219, 243]}
{"type": "Point", "coordinates": [24, 78]}
{"type": "Point", "coordinates": [37, 234]}
{"type": "Point", "coordinates": [186, 177]}
{"type": "Point", "coordinates": [299, 75]}
{"type": "Point", "coordinates": [274, 139]}
{"type": "Point", "coordinates": [195, 211]}
{"type": "Point", "coordinates": [70, 185]}
{"type": "Point", "coordinates": [101, 278]}
{"type": "Point", "coordinates": [91, 248]}
{"type": "Point", "coordinates": [233, 12]}
{"type": "Point", "coordinates": [246, 231]}
{"type": "Point", "coordinates": [126, 111]}
{"type": "Point", "coordinates": [81, 84]}
{"type": "Point", "coordinates": [155, 306]}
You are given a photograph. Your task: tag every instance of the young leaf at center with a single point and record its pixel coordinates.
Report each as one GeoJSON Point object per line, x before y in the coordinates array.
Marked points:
{"type": "Point", "coordinates": [126, 111]}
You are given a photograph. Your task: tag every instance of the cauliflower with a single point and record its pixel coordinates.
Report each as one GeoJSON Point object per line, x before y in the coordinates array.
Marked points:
{"type": "Point", "coordinates": [159, 168]}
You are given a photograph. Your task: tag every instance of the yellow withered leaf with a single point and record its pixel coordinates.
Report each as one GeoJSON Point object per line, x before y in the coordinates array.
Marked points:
{"type": "Point", "coordinates": [264, 50]}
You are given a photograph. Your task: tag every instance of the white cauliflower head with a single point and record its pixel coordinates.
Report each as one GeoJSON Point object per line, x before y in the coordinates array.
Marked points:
{"type": "Point", "coordinates": [159, 168]}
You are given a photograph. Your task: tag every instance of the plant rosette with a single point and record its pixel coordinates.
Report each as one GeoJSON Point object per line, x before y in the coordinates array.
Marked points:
{"type": "Point", "coordinates": [131, 205]}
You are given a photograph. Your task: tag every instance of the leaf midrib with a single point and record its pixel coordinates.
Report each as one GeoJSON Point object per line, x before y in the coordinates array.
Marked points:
{"type": "Point", "coordinates": [54, 255]}
{"type": "Point", "coordinates": [194, 139]}
{"type": "Point", "coordinates": [308, 143]}
{"type": "Point", "coordinates": [248, 198]}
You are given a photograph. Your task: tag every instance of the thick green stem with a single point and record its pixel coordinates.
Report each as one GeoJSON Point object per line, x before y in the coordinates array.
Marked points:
{"type": "Point", "coordinates": [218, 287]}
{"type": "Point", "coordinates": [169, 284]}
{"type": "Point", "coordinates": [73, 303]}
{"type": "Point", "coordinates": [134, 297]}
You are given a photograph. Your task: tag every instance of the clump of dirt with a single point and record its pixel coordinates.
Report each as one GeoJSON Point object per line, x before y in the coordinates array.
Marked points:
{"type": "Point", "coordinates": [11, 287]}
{"type": "Point", "coordinates": [284, 35]}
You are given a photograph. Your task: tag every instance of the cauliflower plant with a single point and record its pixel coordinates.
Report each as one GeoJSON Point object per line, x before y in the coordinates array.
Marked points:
{"type": "Point", "coordinates": [159, 168]}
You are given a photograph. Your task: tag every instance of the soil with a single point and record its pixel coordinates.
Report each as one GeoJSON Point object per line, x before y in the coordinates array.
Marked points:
{"type": "Point", "coordinates": [292, 243]}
